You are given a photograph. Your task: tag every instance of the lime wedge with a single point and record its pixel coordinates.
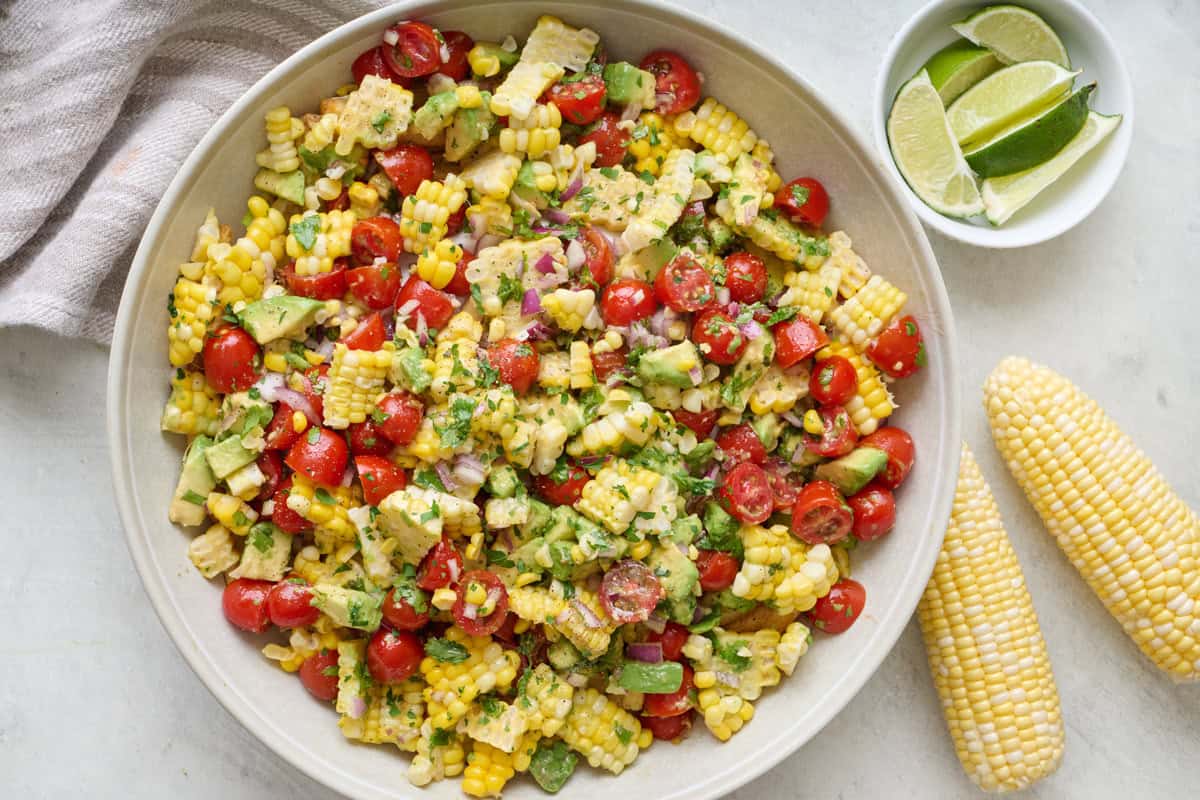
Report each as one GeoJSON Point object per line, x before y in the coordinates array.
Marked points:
{"type": "Point", "coordinates": [1003, 197]}
{"type": "Point", "coordinates": [1002, 98]}
{"type": "Point", "coordinates": [926, 152]}
{"type": "Point", "coordinates": [959, 66]}
{"type": "Point", "coordinates": [1031, 142]}
{"type": "Point", "coordinates": [1014, 34]}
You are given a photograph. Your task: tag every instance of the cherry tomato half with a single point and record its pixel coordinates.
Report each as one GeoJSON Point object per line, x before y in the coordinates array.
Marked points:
{"type": "Point", "coordinates": [599, 257]}
{"type": "Point", "coordinates": [673, 637]}
{"type": "Point", "coordinates": [745, 492]}
{"type": "Point", "coordinates": [671, 704]}
{"type": "Point", "coordinates": [287, 520]}
{"type": "Point", "coordinates": [481, 619]}
{"type": "Point", "coordinates": [371, 62]}
{"type": "Point", "coordinates": [459, 285]}
{"type": "Point", "coordinates": [718, 337]}
{"type": "Point", "coordinates": [434, 306]}
{"type": "Point", "coordinates": [458, 45]}
{"type": "Point", "coordinates": [701, 423]}
{"type": "Point", "coordinates": [406, 165]}
{"type": "Point", "coordinates": [517, 363]}
{"type": "Point", "coordinates": [610, 140]}
{"type": "Point", "coordinates": [270, 463]}
{"type": "Point", "coordinates": [322, 286]}
{"type": "Point", "coordinates": [899, 351]}
{"type": "Point", "coordinates": [402, 416]}
{"type": "Point", "coordinates": [783, 483]}
{"type": "Point", "coordinates": [605, 364]}
{"type": "Point", "coordinates": [839, 436]}
{"type": "Point", "coordinates": [375, 285]}
{"type": "Point", "coordinates": [833, 382]}
{"type": "Point", "coordinates": [319, 674]}
{"type": "Point", "coordinates": [399, 611]}
{"type": "Point", "coordinates": [416, 52]}
{"type": "Point", "coordinates": [796, 340]}
{"type": "Point", "coordinates": [676, 84]}
{"type": "Point", "coordinates": [367, 439]}
{"type": "Point", "coordinates": [717, 570]}
{"type": "Point", "coordinates": [668, 729]}
{"type": "Point", "coordinates": [368, 334]}
{"type": "Point", "coordinates": [579, 101]}
{"type": "Point", "coordinates": [442, 566]}
{"type": "Point", "coordinates": [289, 604]}
{"type": "Point", "coordinates": [820, 515]}
{"type": "Point", "coordinates": [244, 602]}
{"type": "Point", "coordinates": [281, 434]}
{"type": "Point", "coordinates": [626, 301]}
{"type": "Point", "coordinates": [321, 455]}
{"type": "Point", "coordinates": [393, 656]}
{"type": "Point", "coordinates": [745, 277]}
{"type": "Point", "coordinates": [629, 592]}
{"type": "Point", "coordinates": [375, 237]}
{"type": "Point", "coordinates": [837, 611]}
{"type": "Point", "coordinates": [900, 451]}
{"type": "Point", "coordinates": [684, 285]}
{"type": "Point", "coordinates": [740, 443]}
{"type": "Point", "coordinates": [565, 493]}
{"type": "Point", "coordinates": [804, 201]}
{"type": "Point", "coordinates": [229, 356]}
{"type": "Point", "coordinates": [874, 510]}
{"type": "Point", "coordinates": [379, 478]}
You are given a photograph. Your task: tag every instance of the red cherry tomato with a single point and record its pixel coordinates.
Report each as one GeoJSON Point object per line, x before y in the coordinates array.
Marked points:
{"type": "Point", "coordinates": [368, 334]}
{"type": "Point", "coordinates": [458, 44]}
{"type": "Point", "coordinates": [820, 515]}
{"type": "Point", "coordinates": [701, 423]}
{"type": "Point", "coordinates": [280, 434]}
{"type": "Point", "coordinates": [783, 483]}
{"type": "Point", "coordinates": [406, 165]}
{"type": "Point", "coordinates": [673, 637]}
{"type": "Point", "coordinates": [319, 674]}
{"type": "Point", "coordinates": [379, 478]}
{"type": "Point", "coordinates": [454, 222]}
{"type": "Point", "coordinates": [599, 255]}
{"type": "Point", "coordinates": [442, 566]}
{"type": "Point", "coordinates": [393, 656]}
{"type": "Point", "coordinates": [517, 363]}
{"type": "Point", "coordinates": [321, 455]}
{"type": "Point", "coordinates": [270, 463]}
{"type": "Point", "coordinates": [804, 201]}
{"type": "Point", "coordinates": [471, 617]}
{"type": "Point", "coordinates": [745, 492]}
{"type": "Point", "coordinates": [579, 101]}
{"type": "Point", "coordinates": [375, 237]}
{"type": "Point", "coordinates": [416, 52]}
{"type": "Point", "coordinates": [402, 416]}
{"type": "Point", "coordinates": [459, 285]}
{"type": "Point", "coordinates": [874, 511]}
{"type": "Point", "coordinates": [375, 286]}
{"type": "Point", "coordinates": [610, 140]}
{"type": "Point", "coordinates": [900, 451]}
{"type": "Point", "coordinates": [245, 604]}
{"type": "Point", "coordinates": [314, 382]}
{"type": "Point", "coordinates": [371, 62]}
{"type": "Point", "coordinates": [796, 340]}
{"type": "Point", "coordinates": [287, 520]}
{"type": "Point", "coordinates": [605, 364]}
{"type": "Point", "coordinates": [839, 436]}
{"type": "Point", "coordinates": [668, 729]}
{"type": "Point", "coordinates": [565, 493]}
{"type": "Point", "coordinates": [629, 592]}
{"type": "Point", "coordinates": [671, 704]}
{"type": "Point", "coordinates": [229, 356]}
{"type": "Point", "coordinates": [322, 286]}
{"type": "Point", "coordinates": [676, 84]}
{"type": "Point", "coordinates": [429, 303]}
{"type": "Point", "coordinates": [740, 443]}
{"type": "Point", "coordinates": [833, 381]}
{"type": "Point", "coordinates": [717, 570]}
{"type": "Point", "coordinates": [626, 301]}
{"type": "Point", "coordinates": [398, 610]}
{"type": "Point", "coordinates": [718, 337]}
{"type": "Point", "coordinates": [899, 351]}
{"type": "Point", "coordinates": [745, 277]}
{"type": "Point", "coordinates": [837, 611]}
{"type": "Point", "coordinates": [684, 285]}
{"type": "Point", "coordinates": [289, 604]}
{"type": "Point", "coordinates": [367, 439]}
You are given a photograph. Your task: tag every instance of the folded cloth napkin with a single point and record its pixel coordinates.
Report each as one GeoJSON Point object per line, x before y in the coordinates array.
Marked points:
{"type": "Point", "coordinates": [100, 101]}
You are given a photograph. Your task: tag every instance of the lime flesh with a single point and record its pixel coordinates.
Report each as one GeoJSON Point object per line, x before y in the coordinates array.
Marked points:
{"type": "Point", "coordinates": [1014, 34]}
{"type": "Point", "coordinates": [1029, 143]}
{"type": "Point", "coordinates": [1013, 93]}
{"type": "Point", "coordinates": [959, 66]}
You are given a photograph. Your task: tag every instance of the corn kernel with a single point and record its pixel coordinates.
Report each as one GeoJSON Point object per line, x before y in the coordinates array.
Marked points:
{"type": "Point", "coordinates": [444, 599]}
{"type": "Point", "coordinates": [812, 422]}
{"type": "Point", "coordinates": [299, 421]}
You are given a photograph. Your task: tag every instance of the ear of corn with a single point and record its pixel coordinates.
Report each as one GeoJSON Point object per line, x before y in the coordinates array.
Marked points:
{"type": "Point", "coordinates": [282, 132]}
{"type": "Point", "coordinates": [330, 242]}
{"type": "Point", "coordinates": [1131, 537]}
{"type": "Point", "coordinates": [452, 687]}
{"type": "Point", "coordinates": [191, 310]}
{"type": "Point", "coordinates": [424, 214]}
{"type": "Point", "coordinates": [356, 379]}
{"type": "Point", "coordinates": [601, 731]}
{"type": "Point", "coordinates": [534, 135]}
{"type": "Point", "coordinates": [375, 114]}
{"type": "Point", "coordinates": [782, 570]}
{"type": "Point", "coordinates": [855, 272]}
{"type": "Point", "coordinates": [864, 316]}
{"type": "Point", "coordinates": [665, 203]}
{"type": "Point", "coordinates": [716, 128]}
{"type": "Point", "coordinates": [193, 407]}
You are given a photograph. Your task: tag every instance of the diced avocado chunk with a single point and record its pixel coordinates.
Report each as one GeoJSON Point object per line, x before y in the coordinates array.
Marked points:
{"type": "Point", "coordinates": [647, 262]}
{"type": "Point", "coordinates": [720, 530]}
{"type": "Point", "coordinates": [685, 530]}
{"type": "Point", "coordinates": [671, 365]}
{"type": "Point", "coordinates": [539, 519]}
{"type": "Point", "coordinates": [728, 601]}
{"type": "Point", "coordinates": [228, 456]}
{"type": "Point", "coordinates": [661, 678]}
{"type": "Point", "coordinates": [679, 577]}
{"type": "Point", "coordinates": [315, 163]}
{"type": "Point", "coordinates": [470, 128]}
{"type": "Point", "coordinates": [288, 185]}
{"type": "Point", "coordinates": [746, 372]}
{"type": "Point", "coordinates": [285, 315]}
{"type": "Point", "coordinates": [266, 554]}
{"type": "Point", "coordinates": [720, 234]}
{"type": "Point", "coordinates": [768, 428]}
{"type": "Point", "coordinates": [853, 471]}
{"type": "Point", "coordinates": [246, 480]}
{"type": "Point", "coordinates": [408, 370]}
{"type": "Point", "coordinates": [552, 764]}
{"type": "Point", "coordinates": [503, 481]}
{"type": "Point", "coordinates": [526, 187]}
{"type": "Point", "coordinates": [700, 453]}
{"type": "Point", "coordinates": [196, 480]}
{"type": "Point", "coordinates": [435, 114]}
{"type": "Point", "coordinates": [626, 84]}
{"type": "Point", "coordinates": [349, 608]}
{"type": "Point", "coordinates": [490, 50]}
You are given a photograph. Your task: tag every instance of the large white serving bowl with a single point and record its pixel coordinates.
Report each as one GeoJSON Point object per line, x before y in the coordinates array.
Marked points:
{"type": "Point", "coordinates": [810, 138]}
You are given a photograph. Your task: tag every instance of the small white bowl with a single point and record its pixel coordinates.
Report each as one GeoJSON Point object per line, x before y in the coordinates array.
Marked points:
{"type": "Point", "coordinates": [1077, 193]}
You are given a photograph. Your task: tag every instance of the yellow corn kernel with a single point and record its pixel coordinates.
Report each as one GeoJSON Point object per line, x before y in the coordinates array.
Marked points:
{"type": "Point", "coordinates": [813, 423]}
{"type": "Point", "coordinates": [424, 214]}
{"type": "Point", "coordinates": [855, 272]}
{"type": "Point", "coordinates": [534, 135]}
{"type": "Point", "coordinates": [444, 598]}
{"type": "Point", "coordinates": [323, 238]}
{"type": "Point", "coordinates": [640, 550]}
{"type": "Point", "coordinates": [601, 731]}
{"type": "Point", "coordinates": [321, 131]}
{"type": "Point", "coordinates": [582, 375]}
{"type": "Point", "coordinates": [653, 138]}
{"type": "Point", "coordinates": [299, 422]}
{"type": "Point", "coordinates": [364, 200]}
{"type": "Point", "coordinates": [438, 264]}
{"type": "Point", "coordinates": [356, 379]}
{"type": "Point", "coordinates": [282, 132]}
{"type": "Point", "coordinates": [780, 569]}
{"type": "Point", "coordinates": [864, 316]}
{"type": "Point", "coordinates": [483, 61]}
{"type": "Point", "coordinates": [716, 128]}
{"type": "Point", "coordinates": [232, 512]}
{"type": "Point", "coordinates": [193, 407]}
{"type": "Point", "coordinates": [453, 687]}
{"type": "Point", "coordinates": [468, 96]}
{"type": "Point", "coordinates": [275, 362]}
{"type": "Point", "coordinates": [526, 578]}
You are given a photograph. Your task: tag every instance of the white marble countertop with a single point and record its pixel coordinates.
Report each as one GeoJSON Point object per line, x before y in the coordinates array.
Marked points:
{"type": "Point", "coordinates": [96, 702]}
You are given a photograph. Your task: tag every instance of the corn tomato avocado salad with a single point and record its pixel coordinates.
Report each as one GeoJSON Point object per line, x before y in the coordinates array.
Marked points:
{"type": "Point", "coordinates": [532, 406]}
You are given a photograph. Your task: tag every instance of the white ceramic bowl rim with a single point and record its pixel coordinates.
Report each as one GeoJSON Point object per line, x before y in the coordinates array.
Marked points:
{"type": "Point", "coordinates": [892, 618]}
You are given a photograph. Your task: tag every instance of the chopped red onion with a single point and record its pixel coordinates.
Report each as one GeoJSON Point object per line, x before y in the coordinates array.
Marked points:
{"type": "Point", "coordinates": [271, 387]}
{"type": "Point", "coordinates": [407, 308]}
{"type": "Point", "coordinates": [557, 216]}
{"type": "Point", "coordinates": [446, 476]}
{"type": "Point", "coordinates": [798, 454]}
{"type": "Point", "coordinates": [358, 707]}
{"type": "Point", "coordinates": [537, 331]}
{"type": "Point", "coordinates": [531, 303]}
{"type": "Point", "coordinates": [576, 679]}
{"type": "Point", "coordinates": [572, 188]}
{"type": "Point", "coordinates": [576, 256]}
{"type": "Point", "coordinates": [422, 330]}
{"type": "Point", "coordinates": [470, 610]}
{"type": "Point", "coordinates": [545, 264]}
{"type": "Point", "coordinates": [774, 301]}
{"type": "Point", "coordinates": [347, 477]}
{"type": "Point", "coordinates": [647, 652]}
{"type": "Point", "coordinates": [469, 469]}
{"type": "Point", "coordinates": [792, 419]}
{"type": "Point", "coordinates": [697, 375]}
{"type": "Point", "coordinates": [728, 678]}
{"type": "Point", "coordinates": [751, 329]}
{"type": "Point", "coordinates": [631, 111]}
{"type": "Point", "coordinates": [453, 569]}
{"type": "Point", "coordinates": [662, 99]}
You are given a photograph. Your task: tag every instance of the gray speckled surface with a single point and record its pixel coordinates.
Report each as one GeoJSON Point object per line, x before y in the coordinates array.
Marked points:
{"type": "Point", "coordinates": [96, 702]}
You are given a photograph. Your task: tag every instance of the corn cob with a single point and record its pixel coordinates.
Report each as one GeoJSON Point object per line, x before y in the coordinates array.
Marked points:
{"type": "Point", "coordinates": [426, 447]}
{"type": "Point", "coordinates": [779, 569]}
{"type": "Point", "coordinates": [493, 175]}
{"type": "Point", "coordinates": [1131, 537]}
{"type": "Point", "coordinates": [607, 201]}
{"type": "Point", "coordinates": [665, 204]}
{"type": "Point", "coordinates": [773, 233]}
{"type": "Point", "coordinates": [872, 402]}
{"type": "Point", "coordinates": [193, 407]}
{"type": "Point", "coordinates": [453, 687]}
{"type": "Point", "coordinates": [327, 509]}
{"type": "Point", "coordinates": [393, 716]}
{"type": "Point", "coordinates": [356, 379]}
{"type": "Point", "coordinates": [321, 131]}
{"type": "Point", "coordinates": [739, 202]}
{"type": "Point", "coordinates": [620, 490]}
{"type": "Point", "coordinates": [329, 236]}
{"type": "Point", "coordinates": [864, 316]}
{"type": "Point", "coordinates": [496, 723]}
{"type": "Point", "coordinates": [282, 132]}
{"type": "Point", "coordinates": [581, 370]}
{"type": "Point", "coordinates": [424, 215]}
{"type": "Point", "coordinates": [492, 215]}
{"type": "Point", "coordinates": [985, 648]}
{"type": "Point", "coordinates": [517, 96]}
{"type": "Point", "coordinates": [634, 424]}
{"type": "Point", "coordinates": [488, 770]}
{"type": "Point", "coordinates": [855, 272]}
{"type": "Point", "coordinates": [602, 732]}
{"type": "Point", "coordinates": [812, 292]}
{"type": "Point", "coordinates": [439, 755]}
{"type": "Point", "coordinates": [716, 128]}
{"type": "Point", "coordinates": [762, 152]}
{"type": "Point", "coordinates": [545, 700]}
{"type": "Point", "coordinates": [508, 259]}
{"type": "Point", "coordinates": [569, 308]}
{"type": "Point", "coordinates": [535, 135]}
{"type": "Point", "coordinates": [779, 390]}
{"type": "Point", "coordinates": [438, 264]}
{"type": "Point", "coordinates": [554, 42]}
{"type": "Point", "coordinates": [376, 113]}
{"type": "Point", "coordinates": [191, 310]}
{"type": "Point", "coordinates": [568, 161]}
{"type": "Point", "coordinates": [653, 139]}
{"type": "Point", "coordinates": [212, 552]}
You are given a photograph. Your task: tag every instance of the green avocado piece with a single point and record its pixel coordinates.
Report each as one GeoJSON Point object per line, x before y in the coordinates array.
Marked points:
{"type": "Point", "coordinates": [266, 553]}
{"type": "Point", "coordinates": [720, 234]}
{"type": "Point", "coordinates": [552, 764]}
{"type": "Point", "coordinates": [196, 480]}
{"type": "Point", "coordinates": [470, 128]}
{"type": "Point", "coordinates": [285, 315]}
{"type": "Point", "coordinates": [685, 530]}
{"type": "Point", "coordinates": [627, 84]}
{"type": "Point", "coordinates": [853, 471]}
{"type": "Point", "coordinates": [228, 456]}
{"type": "Point", "coordinates": [768, 427]}
{"type": "Point", "coordinates": [241, 413]}
{"type": "Point", "coordinates": [670, 365]}
{"type": "Point", "coordinates": [435, 114]}
{"type": "Point", "coordinates": [720, 530]}
{"type": "Point", "coordinates": [408, 370]}
{"type": "Point", "coordinates": [288, 185]}
{"type": "Point", "coordinates": [746, 372]}
{"type": "Point", "coordinates": [563, 655]}
{"type": "Point", "coordinates": [503, 481]}
{"type": "Point", "coordinates": [661, 678]}
{"type": "Point", "coordinates": [493, 50]}
{"type": "Point", "coordinates": [349, 608]}
{"type": "Point", "coordinates": [526, 189]}
{"type": "Point", "coordinates": [678, 576]}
